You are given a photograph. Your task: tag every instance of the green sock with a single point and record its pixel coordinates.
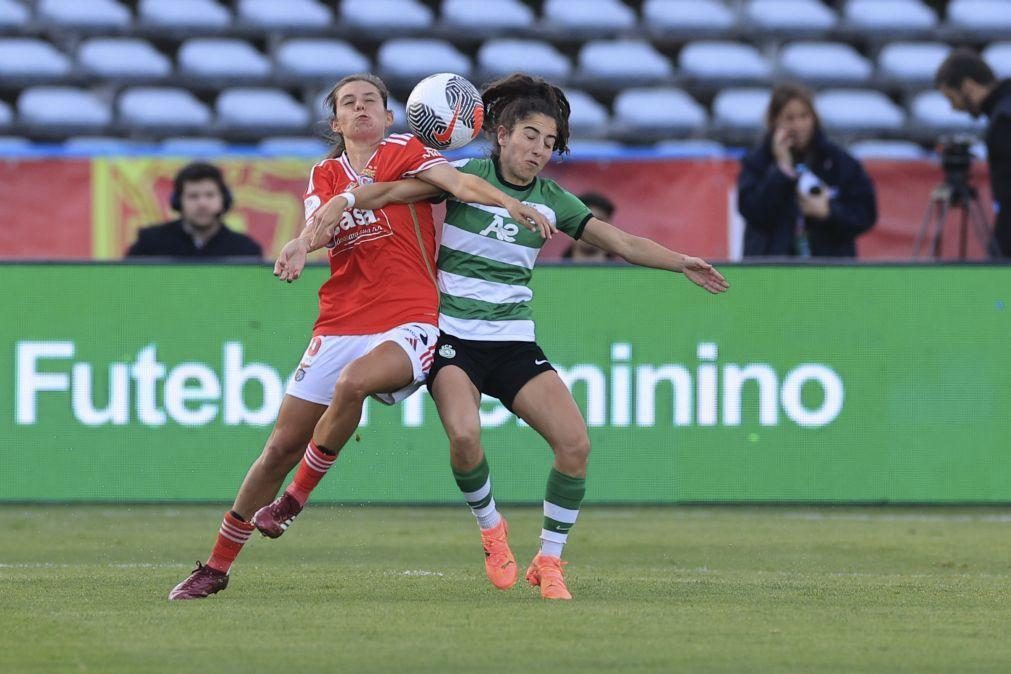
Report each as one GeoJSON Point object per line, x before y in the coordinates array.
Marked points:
{"type": "Point", "coordinates": [476, 487]}
{"type": "Point", "coordinates": [561, 508]}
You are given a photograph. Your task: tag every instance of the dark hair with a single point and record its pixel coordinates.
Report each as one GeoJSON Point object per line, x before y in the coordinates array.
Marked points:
{"type": "Point", "coordinates": [963, 64]}
{"type": "Point", "coordinates": [782, 94]}
{"type": "Point", "coordinates": [330, 104]}
{"type": "Point", "coordinates": [516, 97]}
{"type": "Point", "coordinates": [196, 172]}
{"type": "Point", "coordinates": [598, 201]}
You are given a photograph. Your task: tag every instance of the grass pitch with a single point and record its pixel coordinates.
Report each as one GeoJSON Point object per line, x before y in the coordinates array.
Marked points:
{"type": "Point", "coordinates": [83, 589]}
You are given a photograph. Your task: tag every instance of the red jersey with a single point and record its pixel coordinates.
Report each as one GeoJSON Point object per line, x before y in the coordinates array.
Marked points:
{"type": "Point", "coordinates": [382, 262]}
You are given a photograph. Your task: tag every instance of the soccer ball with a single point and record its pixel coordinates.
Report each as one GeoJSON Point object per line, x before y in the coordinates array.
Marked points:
{"type": "Point", "coordinates": [445, 111]}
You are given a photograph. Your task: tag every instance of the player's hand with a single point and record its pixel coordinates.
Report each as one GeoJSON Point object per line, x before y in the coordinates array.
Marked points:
{"type": "Point", "coordinates": [531, 218]}
{"type": "Point", "coordinates": [704, 275]}
{"type": "Point", "coordinates": [291, 260]}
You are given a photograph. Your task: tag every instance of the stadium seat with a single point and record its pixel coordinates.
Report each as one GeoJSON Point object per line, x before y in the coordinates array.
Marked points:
{"type": "Point", "coordinates": [666, 112]}
{"type": "Point", "coordinates": [911, 63]}
{"type": "Point", "coordinates": [84, 15]}
{"type": "Point", "coordinates": [496, 58]}
{"type": "Point", "coordinates": [692, 147]}
{"type": "Point", "coordinates": [593, 16]}
{"type": "Point", "coordinates": [979, 16]}
{"type": "Point", "coordinates": [193, 147]}
{"type": "Point", "coordinates": [824, 62]}
{"type": "Point", "coordinates": [32, 60]}
{"type": "Point", "coordinates": [489, 16]}
{"type": "Point", "coordinates": [741, 110]}
{"type": "Point", "coordinates": [687, 17]}
{"type": "Point", "coordinates": [13, 15]}
{"type": "Point", "coordinates": [189, 16]}
{"type": "Point", "coordinates": [590, 148]}
{"type": "Point", "coordinates": [412, 59]}
{"type": "Point", "coordinates": [998, 55]}
{"type": "Point", "coordinates": [853, 110]}
{"type": "Point", "coordinates": [931, 109]}
{"type": "Point", "coordinates": [162, 109]}
{"type": "Point", "coordinates": [618, 62]}
{"type": "Point", "coordinates": [889, 16]}
{"type": "Point", "coordinates": [303, 58]}
{"type": "Point", "coordinates": [222, 59]}
{"type": "Point", "coordinates": [293, 146]}
{"type": "Point", "coordinates": [270, 15]}
{"type": "Point", "coordinates": [14, 145]}
{"type": "Point", "coordinates": [243, 108]}
{"type": "Point", "coordinates": [126, 58]}
{"type": "Point", "coordinates": [887, 149]}
{"type": "Point", "coordinates": [6, 114]}
{"type": "Point", "coordinates": [62, 108]}
{"type": "Point", "coordinates": [588, 117]}
{"type": "Point", "coordinates": [386, 16]}
{"type": "Point", "coordinates": [90, 145]}
{"type": "Point", "coordinates": [790, 16]}
{"type": "Point", "coordinates": [723, 62]}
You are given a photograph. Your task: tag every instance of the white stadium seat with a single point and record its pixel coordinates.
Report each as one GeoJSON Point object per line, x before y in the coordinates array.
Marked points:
{"type": "Point", "coordinates": [592, 15]}
{"type": "Point", "coordinates": [536, 57]}
{"type": "Point", "coordinates": [913, 63]}
{"type": "Point", "coordinates": [90, 145]}
{"type": "Point", "coordinates": [189, 16]}
{"type": "Point", "coordinates": [293, 146]}
{"type": "Point", "coordinates": [619, 61]}
{"type": "Point", "coordinates": [690, 17]}
{"type": "Point", "coordinates": [998, 55]}
{"type": "Point", "coordinates": [486, 16]}
{"type": "Point", "coordinates": [162, 108]}
{"type": "Point", "coordinates": [723, 61]}
{"type": "Point", "coordinates": [691, 147]}
{"type": "Point", "coordinates": [291, 14]}
{"type": "Point", "coordinates": [32, 59]}
{"type": "Point", "coordinates": [384, 16]}
{"type": "Point", "coordinates": [416, 58]}
{"type": "Point", "coordinates": [852, 110]}
{"type": "Point", "coordinates": [589, 117]}
{"type": "Point", "coordinates": [824, 62]}
{"type": "Point", "coordinates": [194, 147]}
{"type": "Point", "coordinates": [63, 107]}
{"type": "Point", "coordinates": [123, 58]}
{"type": "Point", "coordinates": [14, 145]}
{"type": "Point", "coordinates": [319, 58]}
{"type": "Point", "coordinates": [741, 109]}
{"type": "Point", "coordinates": [887, 149]}
{"type": "Point", "coordinates": [243, 108]}
{"type": "Point", "coordinates": [84, 15]}
{"type": "Point", "coordinates": [790, 16]}
{"type": "Point", "coordinates": [658, 110]}
{"type": "Point", "coordinates": [932, 109]}
{"type": "Point", "coordinates": [591, 148]}
{"type": "Point", "coordinates": [13, 15]}
{"type": "Point", "coordinates": [890, 16]}
{"type": "Point", "coordinates": [222, 59]}
{"type": "Point", "coordinates": [979, 16]}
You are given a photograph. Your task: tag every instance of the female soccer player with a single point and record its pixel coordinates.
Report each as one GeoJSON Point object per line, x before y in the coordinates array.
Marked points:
{"type": "Point", "coordinates": [487, 343]}
{"type": "Point", "coordinates": [376, 331]}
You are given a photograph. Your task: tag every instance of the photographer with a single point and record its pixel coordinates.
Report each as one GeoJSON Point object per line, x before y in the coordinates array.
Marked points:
{"type": "Point", "coordinates": [800, 194]}
{"type": "Point", "coordinates": [970, 86]}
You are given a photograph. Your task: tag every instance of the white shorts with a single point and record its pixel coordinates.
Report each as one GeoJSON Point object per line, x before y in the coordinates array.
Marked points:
{"type": "Point", "coordinates": [326, 358]}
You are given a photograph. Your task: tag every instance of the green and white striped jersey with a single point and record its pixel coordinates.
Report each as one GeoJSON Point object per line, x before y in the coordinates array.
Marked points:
{"type": "Point", "coordinates": [486, 258]}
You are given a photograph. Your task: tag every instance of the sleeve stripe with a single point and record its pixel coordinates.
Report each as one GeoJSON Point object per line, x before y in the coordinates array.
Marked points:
{"type": "Point", "coordinates": [426, 165]}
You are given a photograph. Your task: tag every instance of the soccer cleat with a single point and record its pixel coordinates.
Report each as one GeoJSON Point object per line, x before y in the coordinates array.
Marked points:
{"type": "Point", "coordinates": [272, 520]}
{"type": "Point", "coordinates": [547, 572]}
{"type": "Point", "coordinates": [499, 563]}
{"type": "Point", "coordinates": [203, 582]}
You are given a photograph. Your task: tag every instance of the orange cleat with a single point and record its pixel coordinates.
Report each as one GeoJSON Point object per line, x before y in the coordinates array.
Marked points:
{"type": "Point", "coordinates": [547, 572]}
{"type": "Point", "coordinates": [499, 563]}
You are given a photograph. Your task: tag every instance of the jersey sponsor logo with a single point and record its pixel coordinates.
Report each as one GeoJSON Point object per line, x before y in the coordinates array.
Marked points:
{"type": "Point", "coordinates": [447, 351]}
{"type": "Point", "coordinates": [357, 226]}
{"type": "Point", "coordinates": [501, 230]}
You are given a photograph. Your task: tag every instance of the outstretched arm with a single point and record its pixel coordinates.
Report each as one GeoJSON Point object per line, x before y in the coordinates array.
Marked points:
{"type": "Point", "coordinates": [647, 253]}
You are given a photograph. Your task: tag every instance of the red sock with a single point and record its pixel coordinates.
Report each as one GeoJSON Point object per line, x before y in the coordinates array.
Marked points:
{"type": "Point", "coordinates": [232, 535]}
{"type": "Point", "coordinates": [311, 470]}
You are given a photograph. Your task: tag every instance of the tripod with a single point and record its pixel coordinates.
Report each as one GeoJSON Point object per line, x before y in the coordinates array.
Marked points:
{"type": "Point", "coordinates": [965, 198]}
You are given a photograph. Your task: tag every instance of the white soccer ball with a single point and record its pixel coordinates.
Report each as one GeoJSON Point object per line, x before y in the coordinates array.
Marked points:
{"type": "Point", "coordinates": [445, 111]}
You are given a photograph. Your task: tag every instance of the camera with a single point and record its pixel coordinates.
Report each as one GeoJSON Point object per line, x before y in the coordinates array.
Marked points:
{"type": "Point", "coordinates": [956, 159]}
{"type": "Point", "coordinates": [808, 184]}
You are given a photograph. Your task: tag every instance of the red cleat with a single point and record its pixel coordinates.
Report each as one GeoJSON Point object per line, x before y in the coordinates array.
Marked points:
{"type": "Point", "coordinates": [202, 583]}
{"type": "Point", "coordinates": [272, 520]}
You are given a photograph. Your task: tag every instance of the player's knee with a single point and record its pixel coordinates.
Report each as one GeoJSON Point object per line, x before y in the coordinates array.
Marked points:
{"type": "Point", "coordinates": [574, 450]}
{"type": "Point", "coordinates": [280, 456]}
{"type": "Point", "coordinates": [350, 387]}
{"type": "Point", "coordinates": [465, 445]}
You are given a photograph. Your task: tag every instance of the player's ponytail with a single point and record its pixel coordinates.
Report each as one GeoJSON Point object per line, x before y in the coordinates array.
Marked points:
{"type": "Point", "coordinates": [330, 107]}
{"type": "Point", "coordinates": [516, 97]}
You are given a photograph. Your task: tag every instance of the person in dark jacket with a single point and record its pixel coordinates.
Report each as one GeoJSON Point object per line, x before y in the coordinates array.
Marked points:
{"type": "Point", "coordinates": [970, 86]}
{"type": "Point", "coordinates": [800, 194]}
{"type": "Point", "coordinates": [201, 198]}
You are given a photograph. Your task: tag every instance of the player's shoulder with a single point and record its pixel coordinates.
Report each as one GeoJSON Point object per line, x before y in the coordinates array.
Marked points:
{"type": "Point", "coordinates": [475, 165]}
{"type": "Point", "coordinates": [328, 166]}
{"type": "Point", "coordinates": [550, 188]}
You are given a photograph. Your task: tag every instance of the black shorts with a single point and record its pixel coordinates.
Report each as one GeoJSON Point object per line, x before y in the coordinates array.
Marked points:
{"type": "Point", "coordinates": [499, 369]}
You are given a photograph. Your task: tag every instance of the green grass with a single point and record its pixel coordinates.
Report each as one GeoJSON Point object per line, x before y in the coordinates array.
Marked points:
{"type": "Point", "coordinates": [83, 589]}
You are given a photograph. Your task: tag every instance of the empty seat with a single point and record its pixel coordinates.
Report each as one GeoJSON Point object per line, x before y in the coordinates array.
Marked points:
{"type": "Point", "coordinates": [536, 57]}
{"type": "Point", "coordinates": [293, 146]}
{"type": "Point", "coordinates": [618, 61]}
{"type": "Point", "coordinates": [741, 109]}
{"type": "Point", "coordinates": [932, 109]}
{"type": "Point", "coordinates": [89, 145]}
{"type": "Point", "coordinates": [723, 61]}
{"type": "Point", "coordinates": [31, 59]}
{"type": "Point", "coordinates": [687, 16]}
{"type": "Point", "coordinates": [691, 147]}
{"type": "Point", "coordinates": [290, 14]}
{"type": "Point", "coordinates": [416, 58]}
{"type": "Point", "coordinates": [63, 107]}
{"type": "Point", "coordinates": [486, 16]}
{"type": "Point", "coordinates": [824, 62]}
{"type": "Point", "coordinates": [320, 58]}
{"type": "Point", "coordinates": [653, 110]}
{"type": "Point", "coordinates": [890, 16]}
{"type": "Point", "coordinates": [887, 149]}
{"type": "Point", "coordinates": [84, 14]}
{"type": "Point", "coordinates": [912, 62]}
{"type": "Point", "coordinates": [190, 147]}
{"type": "Point", "coordinates": [849, 110]}
{"type": "Point", "coordinates": [159, 108]}
{"type": "Point", "coordinates": [588, 116]}
{"type": "Point", "coordinates": [205, 16]}
{"type": "Point", "coordinates": [14, 145]}
{"type": "Point", "coordinates": [13, 15]}
{"type": "Point", "coordinates": [122, 57]}
{"type": "Point", "coordinates": [218, 58]}
{"type": "Point", "coordinates": [998, 55]}
{"type": "Point", "coordinates": [6, 114]}
{"type": "Point", "coordinates": [979, 15]}
{"type": "Point", "coordinates": [793, 16]}
{"type": "Point", "coordinates": [383, 16]}
{"type": "Point", "coordinates": [591, 148]}
{"type": "Point", "coordinates": [244, 108]}
{"type": "Point", "coordinates": [591, 15]}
